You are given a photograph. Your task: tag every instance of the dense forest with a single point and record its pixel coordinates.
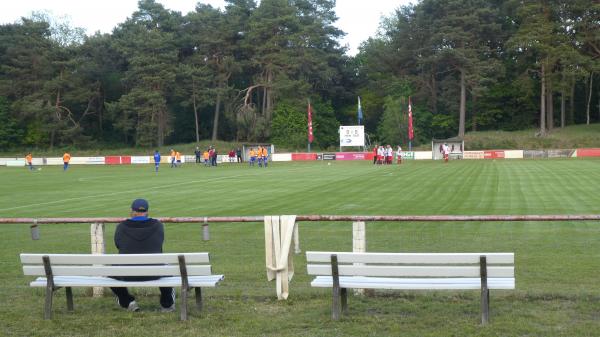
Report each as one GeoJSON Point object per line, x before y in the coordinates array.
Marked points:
{"type": "Point", "coordinates": [247, 71]}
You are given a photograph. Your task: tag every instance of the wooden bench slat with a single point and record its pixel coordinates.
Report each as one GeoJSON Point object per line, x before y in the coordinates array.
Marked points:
{"type": "Point", "coordinates": [160, 270]}
{"type": "Point", "coordinates": [80, 259]}
{"type": "Point", "coordinates": [184, 270]}
{"type": "Point", "coordinates": [94, 281]}
{"type": "Point", "coordinates": [411, 258]}
{"type": "Point", "coordinates": [409, 271]}
{"type": "Point", "coordinates": [414, 283]}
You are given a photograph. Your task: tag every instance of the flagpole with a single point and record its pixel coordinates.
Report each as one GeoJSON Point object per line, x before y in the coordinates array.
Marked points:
{"type": "Point", "coordinates": [360, 116]}
{"type": "Point", "coordinates": [309, 125]}
{"type": "Point", "coordinates": [410, 126]}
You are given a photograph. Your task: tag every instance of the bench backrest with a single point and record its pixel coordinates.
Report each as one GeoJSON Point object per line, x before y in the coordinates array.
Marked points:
{"type": "Point", "coordinates": [116, 265]}
{"type": "Point", "coordinates": [499, 265]}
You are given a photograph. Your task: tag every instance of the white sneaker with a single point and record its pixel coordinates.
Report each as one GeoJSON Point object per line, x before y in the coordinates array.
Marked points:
{"type": "Point", "coordinates": [168, 309]}
{"type": "Point", "coordinates": [133, 306]}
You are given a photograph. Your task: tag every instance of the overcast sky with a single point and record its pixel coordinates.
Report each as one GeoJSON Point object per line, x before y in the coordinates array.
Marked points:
{"type": "Point", "coordinates": [358, 18]}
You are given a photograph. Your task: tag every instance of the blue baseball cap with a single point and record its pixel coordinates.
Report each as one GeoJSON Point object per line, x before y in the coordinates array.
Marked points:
{"type": "Point", "coordinates": [139, 205]}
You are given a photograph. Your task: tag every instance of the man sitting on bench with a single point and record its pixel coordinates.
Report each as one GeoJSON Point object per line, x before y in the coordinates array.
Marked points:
{"type": "Point", "coordinates": [141, 235]}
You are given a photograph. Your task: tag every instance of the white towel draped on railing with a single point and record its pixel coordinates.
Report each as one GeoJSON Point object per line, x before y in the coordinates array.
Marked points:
{"type": "Point", "coordinates": [279, 233]}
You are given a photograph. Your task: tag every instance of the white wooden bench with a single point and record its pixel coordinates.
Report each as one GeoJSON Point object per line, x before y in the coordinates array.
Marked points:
{"type": "Point", "coordinates": [411, 271]}
{"type": "Point", "coordinates": [185, 270]}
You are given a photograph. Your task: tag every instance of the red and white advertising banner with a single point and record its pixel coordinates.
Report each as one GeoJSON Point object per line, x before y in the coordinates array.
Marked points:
{"type": "Point", "coordinates": [140, 159]}
{"type": "Point", "coordinates": [117, 160]}
{"type": "Point", "coordinates": [112, 160]}
{"type": "Point", "coordinates": [281, 157]}
{"type": "Point", "coordinates": [473, 155]}
{"type": "Point", "coordinates": [588, 152]}
{"type": "Point", "coordinates": [353, 156]}
{"type": "Point", "coordinates": [423, 155]}
{"type": "Point", "coordinates": [87, 160]}
{"type": "Point", "coordinates": [54, 161]}
{"type": "Point", "coordinates": [304, 156]}
{"type": "Point", "coordinates": [513, 154]}
{"type": "Point", "coordinates": [493, 154]}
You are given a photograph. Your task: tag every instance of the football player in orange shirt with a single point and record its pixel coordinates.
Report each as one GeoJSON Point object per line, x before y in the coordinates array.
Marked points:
{"type": "Point", "coordinates": [66, 160]}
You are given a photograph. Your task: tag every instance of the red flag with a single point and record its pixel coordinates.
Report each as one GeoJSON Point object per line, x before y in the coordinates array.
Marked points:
{"type": "Point", "coordinates": [310, 130]}
{"type": "Point", "coordinates": [411, 132]}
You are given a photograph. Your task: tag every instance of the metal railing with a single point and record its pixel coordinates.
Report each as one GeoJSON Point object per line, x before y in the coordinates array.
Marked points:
{"type": "Point", "coordinates": [365, 218]}
{"type": "Point", "coordinates": [358, 221]}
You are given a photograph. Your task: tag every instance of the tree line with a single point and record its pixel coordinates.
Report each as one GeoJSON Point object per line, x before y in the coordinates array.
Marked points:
{"type": "Point", "coordinates": [245, 73]}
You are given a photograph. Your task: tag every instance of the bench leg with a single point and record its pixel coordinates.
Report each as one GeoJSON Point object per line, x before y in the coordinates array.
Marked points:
{"type": "Point", "coordinates": [69, 292]}
{"type": "Point", "coordinates": [48, 303]}
{"type": "Point", "coordinates": [198, 291]}
{"type": "Point", "coordinates": [344, 293]}
{"type": "Point", "coordinates": [485, 306]}
{"type": "Point", "coordinates": [335, 313]}
{"type": "Point", "coordinates": [184, 296]}
{"type": "Point", "coordinates": [335, 276]}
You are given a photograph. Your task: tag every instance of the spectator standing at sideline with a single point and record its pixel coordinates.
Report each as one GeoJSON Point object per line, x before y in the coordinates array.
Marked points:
{"type": "Point", "coordinates": [198, 154]}
{"type": "Point", "coordinates": [214, 158]}
{"type": "Point", "coordinates": [141, 235]}
{"type": "Point", "coordinates": [375, 154]}
{"type": "Point", "coordinates": [238, 153]}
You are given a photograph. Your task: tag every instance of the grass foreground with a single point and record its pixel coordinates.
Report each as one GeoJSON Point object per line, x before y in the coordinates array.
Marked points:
{"type": "Point", "coordinates": [557, 289]}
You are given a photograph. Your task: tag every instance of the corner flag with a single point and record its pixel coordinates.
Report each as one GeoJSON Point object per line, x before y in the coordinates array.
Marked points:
{"type": "Point", "coordinates": [360, 114]}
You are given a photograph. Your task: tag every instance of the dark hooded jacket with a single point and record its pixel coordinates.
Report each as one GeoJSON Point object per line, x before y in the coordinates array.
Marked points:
{"type": "Point", "coordinates": [139, 237]}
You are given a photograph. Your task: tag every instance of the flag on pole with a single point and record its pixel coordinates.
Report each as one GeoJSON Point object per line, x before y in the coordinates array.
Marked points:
{"type": "Point", "coordinates": [411, 132]}
{"type": "Point", "coordinates": [360, 114]}
{"type": "Point", "coordinates": [310, 128]}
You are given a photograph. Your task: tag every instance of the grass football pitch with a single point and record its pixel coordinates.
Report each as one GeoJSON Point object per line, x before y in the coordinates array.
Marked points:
{"type": "Point", "coordinates": [557, 263]}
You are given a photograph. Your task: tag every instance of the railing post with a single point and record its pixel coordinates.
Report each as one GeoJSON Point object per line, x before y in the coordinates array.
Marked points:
{"type": "Point", "coordinates": [35, 230]}
{"type": "Point", "coordinates": [359, 245]}
{"type": "Point", "coordinates": [98, 247]}
{"type": "Point", "coordinates": [296, 238]}
{"type": "Point", "coordinates": [205, 231]}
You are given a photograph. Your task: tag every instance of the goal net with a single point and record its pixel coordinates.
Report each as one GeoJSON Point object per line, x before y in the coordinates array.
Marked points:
{"type": "Point", "coordinates": [455, 145]}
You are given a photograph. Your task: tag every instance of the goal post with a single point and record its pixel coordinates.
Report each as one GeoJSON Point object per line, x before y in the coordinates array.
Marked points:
{"type": "Point", "coordinates": [456, 146]}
